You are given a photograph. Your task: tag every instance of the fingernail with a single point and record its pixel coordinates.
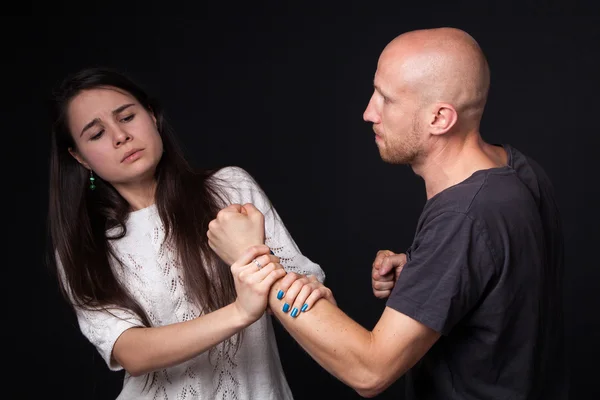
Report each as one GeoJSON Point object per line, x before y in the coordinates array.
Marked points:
{"type": "Point", "coordinates": [280, 295]}
{"type": "Point", "coordinates": [294, 313]}
{"type": "Point", "coordinates": [304, 307]}
{"type": "Point", "coordinates": [286, 307]}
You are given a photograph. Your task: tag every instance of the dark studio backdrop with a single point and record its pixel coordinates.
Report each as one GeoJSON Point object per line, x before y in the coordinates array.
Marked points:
{"type": "Point", "coordinates": [283, 97]}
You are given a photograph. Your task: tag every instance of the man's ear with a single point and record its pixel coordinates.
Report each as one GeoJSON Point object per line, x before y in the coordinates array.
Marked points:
{"type": "Point", "coordinates": [78, 157]}
{"type": "Point", "coordinates": [444, 117]}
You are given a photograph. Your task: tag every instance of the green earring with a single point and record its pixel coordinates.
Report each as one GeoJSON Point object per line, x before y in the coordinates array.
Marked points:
{"type": "Point", "coordinates": [92, 179]}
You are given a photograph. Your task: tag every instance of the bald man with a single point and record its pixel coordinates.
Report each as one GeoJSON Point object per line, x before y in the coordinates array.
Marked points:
{"type": "Point", "coordinates": [467, 317]}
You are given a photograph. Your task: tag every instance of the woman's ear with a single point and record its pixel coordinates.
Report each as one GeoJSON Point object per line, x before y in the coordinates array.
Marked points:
{"type": "Point", "coordinates": [78, 157]}
{"type": "Point", "coordinates": [151, 111]}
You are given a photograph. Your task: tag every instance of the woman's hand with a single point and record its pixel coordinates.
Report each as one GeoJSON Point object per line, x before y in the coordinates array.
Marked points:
{"type": "Point", "coordinates": [234, 230]}
{"type": "Point", "coordinates": [298, 293]}
{"type": "Point", "coordinates": [254, 274]}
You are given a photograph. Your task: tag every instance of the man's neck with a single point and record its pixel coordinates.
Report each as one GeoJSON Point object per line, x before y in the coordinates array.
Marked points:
{"type": "Point", "coordinates": [496, 153]}
{"type": "Point", "coordinates": [452, 161]}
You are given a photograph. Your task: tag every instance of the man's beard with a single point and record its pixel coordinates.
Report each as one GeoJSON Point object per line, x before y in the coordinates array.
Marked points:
{"type": "Point", "coordinates": [403, 150]}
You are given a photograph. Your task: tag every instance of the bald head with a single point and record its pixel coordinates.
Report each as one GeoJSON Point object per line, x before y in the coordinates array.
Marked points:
{"type": "Point", "coordinates": [443, 65]}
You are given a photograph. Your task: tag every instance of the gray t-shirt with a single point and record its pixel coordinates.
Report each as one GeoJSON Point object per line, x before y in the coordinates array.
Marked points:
{"type": "Point", "coordinates": [477, 272]}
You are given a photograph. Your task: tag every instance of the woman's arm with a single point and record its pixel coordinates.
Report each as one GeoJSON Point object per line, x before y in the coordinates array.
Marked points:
{"type": "Point", "coordinates": [243, 189]}
{"type": "Point", "coordinates": [142, 350]}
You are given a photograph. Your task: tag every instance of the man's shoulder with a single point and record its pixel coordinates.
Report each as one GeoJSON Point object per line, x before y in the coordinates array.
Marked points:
{"type": "Point", "coordinates": [485, 188]}
{"type": "Point", "coordinates": [531, 172]}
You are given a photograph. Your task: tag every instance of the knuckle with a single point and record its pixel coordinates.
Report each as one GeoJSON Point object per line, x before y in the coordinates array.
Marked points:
{"type": "Point", "coordinates": [293, 275]}
{"type": "Point", "coordinates": [304, 281]}
{"type": "Point", "coordinates": [294, 287]}
{"type": "Point", "coordinates": [300, 283]}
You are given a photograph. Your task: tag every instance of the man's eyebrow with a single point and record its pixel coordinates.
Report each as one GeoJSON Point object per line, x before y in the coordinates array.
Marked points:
{"type": "Point", "coordinates": [377, 88]}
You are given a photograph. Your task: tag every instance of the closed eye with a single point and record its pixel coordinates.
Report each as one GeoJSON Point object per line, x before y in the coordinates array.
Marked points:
{"type": "Point", "coordinates": [128, 118]}
{"type": "Point", "coordinates": [97, 135]}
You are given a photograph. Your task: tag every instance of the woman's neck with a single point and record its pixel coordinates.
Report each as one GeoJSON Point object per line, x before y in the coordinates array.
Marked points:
{"type": "Point", "coordinates": [139, 195]}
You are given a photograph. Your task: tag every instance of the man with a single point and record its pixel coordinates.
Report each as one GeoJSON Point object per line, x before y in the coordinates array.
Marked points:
{"type": "Point", "coordinates": [388, 266]}
{"type": "Point", "coordinates": [473, 313]}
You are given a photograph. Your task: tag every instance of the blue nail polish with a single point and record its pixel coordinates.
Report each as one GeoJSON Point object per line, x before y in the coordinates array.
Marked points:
{"type": "Point", "coordinates": [294, 313]}
{"type": "Point", "coordinates": [304, 307]}
{"type": "Point", "coordinates": [286, 307]}
{"type": "Point", "coordinates": [280, 295]}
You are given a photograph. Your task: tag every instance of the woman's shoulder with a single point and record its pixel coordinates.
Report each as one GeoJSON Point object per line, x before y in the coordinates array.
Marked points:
{"type": "Point", "coordinates": [234, 178]}
{"type": "Point", "coordinates": [232, 173]}
{"type": "Point", "coordinates": [238, 185]}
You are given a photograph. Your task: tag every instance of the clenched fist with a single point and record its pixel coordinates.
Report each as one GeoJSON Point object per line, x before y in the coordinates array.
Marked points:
{"type": "Point", "coordinates": [386, 270]}
{"type": "Point", "coordinates": [234, 230]}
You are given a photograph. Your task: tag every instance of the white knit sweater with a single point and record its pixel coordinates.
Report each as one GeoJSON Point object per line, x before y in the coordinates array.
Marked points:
{"type": "Point", "coordinates": [152, 276]}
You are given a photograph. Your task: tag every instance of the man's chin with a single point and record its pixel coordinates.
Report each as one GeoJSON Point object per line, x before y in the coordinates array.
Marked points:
{"type": "Point", "coordinates": [384, 154]}
{"type": "Point", "coordinates": [396, 159]}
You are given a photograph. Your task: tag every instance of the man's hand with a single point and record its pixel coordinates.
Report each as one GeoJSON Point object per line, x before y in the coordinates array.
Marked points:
{"type": "Point", "coordinates": [386, 270]}
{"type": "Point", "coordinates": [234, 230]}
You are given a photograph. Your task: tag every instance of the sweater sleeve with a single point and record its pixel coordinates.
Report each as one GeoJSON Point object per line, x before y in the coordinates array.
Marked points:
{"type": "Point", "coordinates": [240, 188]}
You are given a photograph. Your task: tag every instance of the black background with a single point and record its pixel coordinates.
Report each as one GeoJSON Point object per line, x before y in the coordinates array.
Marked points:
{"type": "Point", "coordinates": [281, 94]}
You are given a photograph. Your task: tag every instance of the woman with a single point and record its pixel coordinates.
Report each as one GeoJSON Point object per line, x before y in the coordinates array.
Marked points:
{"type": "Point", "coordinates": [128, 220]}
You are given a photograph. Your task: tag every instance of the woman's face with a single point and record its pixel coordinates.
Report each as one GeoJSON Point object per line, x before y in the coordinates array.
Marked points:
{"type": "Point", "coordinates": [114, 135]}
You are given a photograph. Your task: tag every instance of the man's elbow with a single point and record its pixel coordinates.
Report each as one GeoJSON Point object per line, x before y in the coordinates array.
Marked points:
{"type": "Point", "coordinates": [370, 391]}
{"type": "Point", "coordinates": [370, 384]}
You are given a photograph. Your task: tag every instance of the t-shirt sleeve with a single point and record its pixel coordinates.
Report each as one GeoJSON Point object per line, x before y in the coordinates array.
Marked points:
{"type": "Point", "coordinates": [241, 188]}
{"type": "Point", "coordinates": [449, 267]}
{"type": "Point", "coordinates": [102, 327]}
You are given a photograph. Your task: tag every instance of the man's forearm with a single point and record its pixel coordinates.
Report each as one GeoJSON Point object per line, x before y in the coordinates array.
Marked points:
{"type": "Point", "coordinates": [333, 339]}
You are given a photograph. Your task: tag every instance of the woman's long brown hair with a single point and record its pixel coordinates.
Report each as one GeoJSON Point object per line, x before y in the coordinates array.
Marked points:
{"type": "Point", "coordinates": [79, 218]}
